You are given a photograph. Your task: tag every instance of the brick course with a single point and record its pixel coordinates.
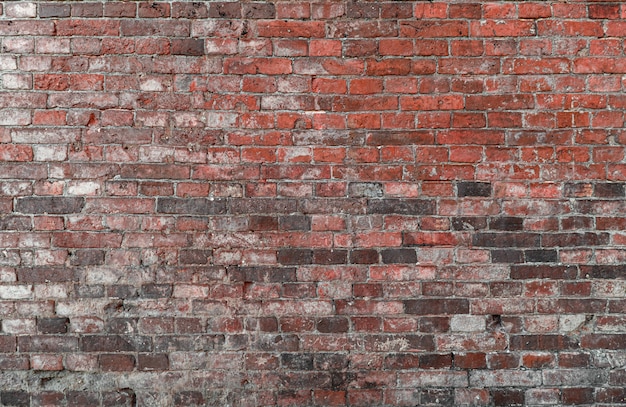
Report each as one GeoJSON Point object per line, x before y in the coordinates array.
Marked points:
{"type": "Point", "coordinates": [312, 203]}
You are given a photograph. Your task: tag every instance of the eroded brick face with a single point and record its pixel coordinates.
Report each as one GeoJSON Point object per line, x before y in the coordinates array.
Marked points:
{"type": "Point", "coordinates": [312, 203]}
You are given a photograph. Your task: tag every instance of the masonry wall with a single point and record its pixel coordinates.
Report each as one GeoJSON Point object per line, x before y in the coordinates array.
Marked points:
{"type": "Point", "coordinates": [312, 203]}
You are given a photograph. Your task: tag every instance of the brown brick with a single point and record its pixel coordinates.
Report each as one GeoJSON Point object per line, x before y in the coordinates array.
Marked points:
{"type": "Point", "coordinates": [117, 362]}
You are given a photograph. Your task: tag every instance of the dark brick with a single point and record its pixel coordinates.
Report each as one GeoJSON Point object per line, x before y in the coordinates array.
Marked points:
{"type": "Point", "coordinates": [542, 342]}
{"type": "Point", "coordinates": [156, 290]}
{"type": "Point", "coordinates": [482, 189]}
{"type": "Point", "coordinates": [52, 325]}
{"type": "Point", "coordinates": [47, 343]}
{"type": "Point", "coordinates": [48, 10]}
{"type": "Point", "coordinates": [263, 274]}
{"type": "Point", "coordinates": [14, 223]}
{"type": "Point", "coordinates": [574, 239]}
{"type": "Point", "coordinates": [604, 271]}
{"type": "Point", "coordinates": [8, 344]}
{"type": "Point", "coordinates": [364, 256]}
{"type": "Point", "coordinates": [46, 275]}
{"type": "Point", "coordinates": [330, 361]}
{"type": "Point", "coordinates": [188, 325]}
{"type": "Point", "coordinates": [82, 398]}
{"type": "Point", "coordinates": [194, 9]}
{"type": "Point", "coordinates": [194, 256]}
{"type": "Point", "coordinates": [439, 397]}
{"type": "Point", "coordinates": [263, 223]}
{"type": "Point", "coordinates": [87, 257]}
{"type": "Point", "coordinates": [391, 256]}
{"type": "Point", "coordinates": [259, 10]}
{"type": "Point", "coordinates": [401, 206]}
{"type": "Point", "coordinates": [576, 396]}
{"type": "Point", "coordinates": [329, 256]}
{"type": "Point", "coordinates": [189, 398]}
{"type": "Point", "coordinates": [14, 362]}
{"type": "Point", "coordinates": [436, 306]}
{"type": "Point", "coordinates": [122, 291]}
{"type": "Point", "coordinates": [192, 47]}
{"type": "Point", "coordinates": [297, 361]}
{"type": "Point", "coordinates": [507, 256]}
{"type": "Point", "coordinates": [117, 362]}
{"type": "Point", "coordinates": [295, 256]}
{"type": "Point", "coordinates": [87, 9]}
{"type": "Point", "coordinates": [469, 223]}
{"type": "Point", "coordinates": [262, 205]}
{"type": "Point", "coordinates": [120, 398]}
{"type": "Point", "coordinates": [505, 289]}
{"type": "Point", "coordinates": [230, 9]}
{"type": "Point", "coordinates": [435, 361]}
{"type": "Point", "coordinates": [115, 343]}
{"type": "Point", "coordinates": [294, 222]}
{"type": "Point", "coordinates": [608, 190]}
{"type": "Point", "coordinates": [544, 271]}
{"type": "Point", "coordinates": [365, 189]}
{"type": "Point", "coordinates": [486, 239]}
{"type": "Point", "coordinates": [15, 398]}
{"type": "Point", "coordinates": [577, 189]}
{"type": "Point", "coordinates": [507, 397]}
{"type": "Point", "coordinates": [508, 223]}
{"type": "Point", "coordinates": [333, 325]}
{"type": "Point", "coordinates": [541, 256]}
{"type": "Point", "coordinates": [191, 206]}
{"type": "Point", "coordinates": [49, 204]}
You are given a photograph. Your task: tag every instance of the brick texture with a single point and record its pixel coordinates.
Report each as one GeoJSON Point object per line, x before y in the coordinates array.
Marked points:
{"type": "Point", "coordinates": [312, 203]}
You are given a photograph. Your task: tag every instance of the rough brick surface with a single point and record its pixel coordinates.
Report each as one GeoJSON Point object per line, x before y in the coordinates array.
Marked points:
{"type": "Point", "coordinates": [312, 203]}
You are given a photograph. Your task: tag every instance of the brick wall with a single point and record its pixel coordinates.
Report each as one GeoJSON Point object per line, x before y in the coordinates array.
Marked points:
{"type": "Point", "coordinates": [312, 203]}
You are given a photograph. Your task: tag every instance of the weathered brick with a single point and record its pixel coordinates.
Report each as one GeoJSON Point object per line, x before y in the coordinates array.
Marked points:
{"type": "Point", "coordinates": [401, 206]}
{"type": "Point", "coordinates": [53, 205]}
{"type": "Point", "coordinates": [436, 306]}
{"type": "Point", "coordinates": [479, 189]}
{"type": "Point", "coordinates": [191, 206]}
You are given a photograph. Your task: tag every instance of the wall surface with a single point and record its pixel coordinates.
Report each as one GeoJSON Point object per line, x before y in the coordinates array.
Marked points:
{"type": "Point", "coordinates": [312, 203]}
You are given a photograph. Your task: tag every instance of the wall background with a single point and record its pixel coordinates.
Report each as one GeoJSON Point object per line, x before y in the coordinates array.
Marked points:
{"type": "Point", "coordinates": [312, 203]}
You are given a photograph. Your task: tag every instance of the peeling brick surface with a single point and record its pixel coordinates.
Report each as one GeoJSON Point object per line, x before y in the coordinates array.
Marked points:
{"type": "Point", "coordinates": [312, 203]}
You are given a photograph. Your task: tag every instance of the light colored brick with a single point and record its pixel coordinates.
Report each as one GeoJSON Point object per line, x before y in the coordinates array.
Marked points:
{"type": "Point", "coordinates": [467, 323]}
{"type": "Point", "coordinates": [21, 9]}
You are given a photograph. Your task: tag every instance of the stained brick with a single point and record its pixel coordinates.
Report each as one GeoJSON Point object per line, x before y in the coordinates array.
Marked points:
{"type": "Point", "coordinates": [401, 206]}
{"type": "Point", "coordinates": [191, 206]}
{"type": "Point", "coordinates": [52, 205]}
